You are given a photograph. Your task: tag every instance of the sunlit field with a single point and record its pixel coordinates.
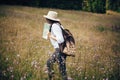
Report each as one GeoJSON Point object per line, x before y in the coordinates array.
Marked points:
{"type": "Point", "coordinates": [23, 51]}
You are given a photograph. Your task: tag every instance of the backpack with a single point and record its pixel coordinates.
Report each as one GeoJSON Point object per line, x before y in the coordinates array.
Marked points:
{"type": "Point", "coordinates": [68, 46]}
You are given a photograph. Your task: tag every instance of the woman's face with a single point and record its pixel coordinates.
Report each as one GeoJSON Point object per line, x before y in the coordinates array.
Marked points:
{"type": "Point", "coordinates": [48, 21]}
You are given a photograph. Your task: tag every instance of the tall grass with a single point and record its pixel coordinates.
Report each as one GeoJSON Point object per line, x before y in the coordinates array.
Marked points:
{"type": "Point", "coordinates": [23, 52]}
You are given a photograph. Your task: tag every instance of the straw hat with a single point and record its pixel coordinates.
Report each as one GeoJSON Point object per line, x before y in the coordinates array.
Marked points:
{"type": "Point", "coordinates": [52, 15]}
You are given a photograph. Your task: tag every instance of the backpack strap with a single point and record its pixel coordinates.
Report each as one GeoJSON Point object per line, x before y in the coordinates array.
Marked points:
{"type": "Point", "coordinates": [50, 27]}
{"type": "Point", "coordinates": [59, 26]}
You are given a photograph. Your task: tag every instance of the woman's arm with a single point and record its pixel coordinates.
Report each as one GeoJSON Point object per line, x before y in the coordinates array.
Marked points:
{"type": "Point", "coordinates": [51, 36]}
{"type": "Point", "coordinates": [57, 33]}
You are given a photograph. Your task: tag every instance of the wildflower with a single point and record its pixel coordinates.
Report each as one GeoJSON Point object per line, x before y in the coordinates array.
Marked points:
{"type": "Point", "coordinates": [93, 77]}
{"type": "Point", "coordinates": [85, 77]}
{"type": "Point", "coordinates": [32, 63]}
{"type": "Point", "coordinates": [10, 69]}
{"type": "Point", "coordinates": [35, 64]}
{"type": "Point", "coordinates": [4, 73]}
{"type": "Point", "coordinates": [12, 76]}
{"type": "Point", "coordinates": [69, 78]}
{"type": "Point", "coordinates": [21, 78]}
{"type": "Point", "coordinates": [18, 55]}
{"type": "Point", "coordinates": [24, 76]}
{"type": "Point", "coordinates": [7, 59]}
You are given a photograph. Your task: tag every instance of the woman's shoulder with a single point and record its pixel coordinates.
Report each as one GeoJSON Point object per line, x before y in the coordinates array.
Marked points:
{"type": "Point", "coordinates": [56, 25]}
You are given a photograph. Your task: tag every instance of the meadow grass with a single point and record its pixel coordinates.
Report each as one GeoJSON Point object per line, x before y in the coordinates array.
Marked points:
{"type": "Point", "coordinates": [23, 52]}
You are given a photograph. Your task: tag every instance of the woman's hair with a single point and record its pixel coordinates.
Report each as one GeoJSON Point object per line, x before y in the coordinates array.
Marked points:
{"type": "Point", "coordinates": [51, 21]}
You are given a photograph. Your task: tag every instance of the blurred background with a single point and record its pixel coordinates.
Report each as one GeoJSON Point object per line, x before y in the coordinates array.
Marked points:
{"type": "Point", "coordinates": [95, 24]}
{"type": "Point", "coordinates": [98, 6]}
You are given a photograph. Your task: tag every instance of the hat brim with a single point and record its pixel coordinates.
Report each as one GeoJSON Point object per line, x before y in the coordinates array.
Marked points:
{"type": "Point", "coordinates": [51, 18]}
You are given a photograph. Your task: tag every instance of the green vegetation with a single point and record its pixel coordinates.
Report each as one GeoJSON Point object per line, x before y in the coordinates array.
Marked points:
{"type": "Point", "coordinates": [96, 6]}
{"type": "Point", "coordinates": [23, 52]}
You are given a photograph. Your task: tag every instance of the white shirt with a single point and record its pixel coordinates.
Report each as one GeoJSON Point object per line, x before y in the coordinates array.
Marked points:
{"type": "Point", "coordinates": [57, 32]}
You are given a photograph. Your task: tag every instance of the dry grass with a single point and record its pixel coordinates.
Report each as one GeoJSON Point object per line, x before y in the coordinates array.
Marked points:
{"type": "Point", "coordinates": [23, 52]}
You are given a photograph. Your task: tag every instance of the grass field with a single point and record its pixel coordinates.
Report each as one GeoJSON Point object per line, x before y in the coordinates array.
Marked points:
{"type": "Point", "coordinates": [23, 52]}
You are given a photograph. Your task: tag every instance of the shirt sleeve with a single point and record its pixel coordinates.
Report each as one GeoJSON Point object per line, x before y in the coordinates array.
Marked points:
{"type": "Point", "coordinates": [57, 33]}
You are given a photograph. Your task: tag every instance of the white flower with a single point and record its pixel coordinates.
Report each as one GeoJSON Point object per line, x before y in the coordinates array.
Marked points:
{"type": "Point", "coordinates": [85, 77]}
{"type": "Point", "coordinates": [18, 55]}
{"type": "Point", "coordinates": [21, 78]}
{"type": "Point", "coordinates": [6, 59]}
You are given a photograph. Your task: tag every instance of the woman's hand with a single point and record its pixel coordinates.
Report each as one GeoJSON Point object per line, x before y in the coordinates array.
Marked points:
{"type": "Point", "coordinates": [48, 34]}
{"type": "Point", "coordinates": [51, 36]}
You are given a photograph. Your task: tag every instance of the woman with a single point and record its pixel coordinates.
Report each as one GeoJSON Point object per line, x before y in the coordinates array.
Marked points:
{"type": "Point", "coordinates": [56, 38]}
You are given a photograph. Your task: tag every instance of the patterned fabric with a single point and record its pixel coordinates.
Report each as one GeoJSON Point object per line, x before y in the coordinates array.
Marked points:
{"type": "Point", "coordinates": [60, 58]}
